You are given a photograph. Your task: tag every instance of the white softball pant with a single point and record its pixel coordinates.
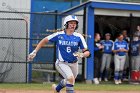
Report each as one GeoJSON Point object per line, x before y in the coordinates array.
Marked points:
{"type": "Point", "coordinates": [119, 62]}
{"type": "Point", "coordinates": [135, 62]}
{"type": "Point", "coordinates": [67, 69]}
{"type": "Point", "coordinates": [126, 65]}
{"type": "Point", "coordinates": [106, 59]}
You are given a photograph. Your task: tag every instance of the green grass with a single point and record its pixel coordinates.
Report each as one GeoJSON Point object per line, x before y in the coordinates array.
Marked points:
{"type": "Point", "coordinates": [107, 87]}
{"type": "Point", "coordinates": [78, 86]}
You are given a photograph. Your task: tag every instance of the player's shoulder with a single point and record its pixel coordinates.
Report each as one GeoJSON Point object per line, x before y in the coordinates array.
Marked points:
{"type": "Point", "coordinates": [124, 41]}
{"type": "Point", "coordinates": [61, 32]}
{"type": "Point", "coordinates": [102, 41]}
{"type": "Point", "coordinates": [77, 34]}
{"type": "Point", "coordinates": [111, 41]}
{"type": "Point", "coordinates": [58, 33]}
{"type": "Point", "coordinates": [116, 42]}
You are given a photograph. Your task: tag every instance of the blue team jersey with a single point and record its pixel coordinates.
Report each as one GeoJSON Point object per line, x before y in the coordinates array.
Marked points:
{"type": "Point", "coordinates": [135, 48]}
{"type": "Point", "coordinates": [118, 45]}
{"type": "Point", "coordinates": [67, 45]}
{"type": "Point", "coordinates": [107, 46]}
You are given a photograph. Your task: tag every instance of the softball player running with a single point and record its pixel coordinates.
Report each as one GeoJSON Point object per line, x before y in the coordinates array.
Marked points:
{"type": "Point", "coordinates": [120, 48]}
{"type": "Point", "coordinates": [106, 57]}
{"type": "Point", "coordinates": [68, 42]}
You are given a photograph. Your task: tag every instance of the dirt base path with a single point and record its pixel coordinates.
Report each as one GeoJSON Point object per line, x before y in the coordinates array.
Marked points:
{"type": "Point", "coordinates": [45, 91]}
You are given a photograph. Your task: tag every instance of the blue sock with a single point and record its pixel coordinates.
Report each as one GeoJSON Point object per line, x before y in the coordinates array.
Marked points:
{"type": "Point", "coordinates": [116, 75]}
{"type": "Point", "coordinates": [61, 85]}
{"type": "Point", "coordinates": [120, 74]}
{"type": "Point", "coordinates": [101, 75]}
{"type": "Point", "coordinates": [106, 74]}
{"type": "Point", "coordinates": [69, 88]}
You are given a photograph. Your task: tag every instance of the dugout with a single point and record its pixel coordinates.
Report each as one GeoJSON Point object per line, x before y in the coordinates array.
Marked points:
{"type": "Point", "coordinates": [103, 17]}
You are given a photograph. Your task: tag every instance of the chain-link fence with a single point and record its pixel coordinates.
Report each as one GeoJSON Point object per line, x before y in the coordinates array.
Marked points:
{"type": "Point", "coordinates": [13, 49]}
{"type": "Point", "coordinates": [20, 32]}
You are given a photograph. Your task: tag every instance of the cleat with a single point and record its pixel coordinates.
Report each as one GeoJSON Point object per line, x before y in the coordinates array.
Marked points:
{"type": "Point", "coordinates": [106, 79]}
{"type": "Point", "coordinates": [100, 79]}
{"type": "Point", "coordinates": [96, 81]}
{"type": "Point", "coordinates": [116, 82]}
{"type": "Point", "coordinates": [125, 79]}
{"type": "Point", "coordinates": [119, 81]}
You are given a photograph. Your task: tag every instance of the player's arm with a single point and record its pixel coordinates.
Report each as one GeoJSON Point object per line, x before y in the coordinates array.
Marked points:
{"type": "Point", "coordinates": [86, 53]}
{"type": "Point", "coordinates": [114, 50]}
{"type": "Point", "coordinates": [40, 44]}
{"type": "Point", "coordinates": [83, 46]}
{"type": "Point", "coordinates": [126, 49]}
{"type": "Point", "coordinates": [52, 38]}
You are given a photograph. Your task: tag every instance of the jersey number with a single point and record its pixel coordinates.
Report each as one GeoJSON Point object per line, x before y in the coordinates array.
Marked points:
{"type": "Point", "coordinates": [107, 47]}
{"type": "Point", "coordinates": [68, 49]}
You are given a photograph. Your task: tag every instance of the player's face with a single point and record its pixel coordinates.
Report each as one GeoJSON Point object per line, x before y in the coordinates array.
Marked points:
{"type": "Point", "coordinates": [107, 37]}
{"type": "Point", "coordinates": [72, 25]}
{"type": "Point", "coordinates": [138, 28]}
{"type": "Point", "coordinates": [124, 33]}
{"type": "Point", "coordinates": [97, 37]}
{"type": "Point", "coordinates": [120, 37]}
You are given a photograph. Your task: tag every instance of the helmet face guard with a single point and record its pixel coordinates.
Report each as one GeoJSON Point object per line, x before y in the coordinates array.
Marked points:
{"type": "Point", "coordinates": [70, 18]}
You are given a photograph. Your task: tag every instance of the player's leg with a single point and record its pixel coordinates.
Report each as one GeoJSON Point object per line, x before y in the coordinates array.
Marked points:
{"type": "Point", "coordinates": [137, 69]}
{"type": "Point", "coordinates": [96, 70]}
{"type": "Point", "coordinates": [109, 56]}
{"type": "Point", "coordinates": [122, 63]}
{"type": "Point", "coordinates": [74, 68]}
{"type": "Point", "coordinates": [137, 63]}
{"type": "Point", "coordinates": [60, 86]}
{"type": "Point", "coordinates": [126, 66]}
{"type": "Point", "coordinates": [65, 71]}
{"type": "Point", "coordinates": [103, 63]}
{"type": "Point", "coordinates": [133, 62]}
{"type": "Point", "coordinates": [117, 68]}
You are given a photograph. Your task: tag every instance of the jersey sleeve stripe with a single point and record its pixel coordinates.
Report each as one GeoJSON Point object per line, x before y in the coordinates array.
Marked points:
{"type": "Point", "coordinates": [83, 40]}
{"type": "Point", "coordinates": [54, 35]}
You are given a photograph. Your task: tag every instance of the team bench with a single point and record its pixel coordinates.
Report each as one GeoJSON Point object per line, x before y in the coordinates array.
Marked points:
{"type": "Point", "coordinates": [47, 71]}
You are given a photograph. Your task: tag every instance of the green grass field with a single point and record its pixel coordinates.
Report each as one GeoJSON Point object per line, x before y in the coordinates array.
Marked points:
{"type": "Point", "coordinates": [78, 86]}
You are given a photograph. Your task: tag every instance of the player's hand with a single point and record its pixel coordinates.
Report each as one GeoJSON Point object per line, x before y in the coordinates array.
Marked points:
{"type": "Point", "coordinates": [101, 47]}
{"type": "Point", "coordinates": [78, 54]}
{"type": "Point", "coordinates": [122, 50]}
{"type": "Point", "coordinates": [32, 55]}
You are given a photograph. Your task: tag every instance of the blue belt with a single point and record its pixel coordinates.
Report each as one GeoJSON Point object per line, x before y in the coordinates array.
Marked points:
{"type": "Point", "coordinates": [120, 55]}
{"type": "Point", "coordinates": [107, 53]}
{"type": "Point", "coordinates": [75, 61]}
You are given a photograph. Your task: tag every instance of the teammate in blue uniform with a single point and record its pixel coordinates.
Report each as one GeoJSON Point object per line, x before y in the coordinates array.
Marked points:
{"type": "Point", "coordinates": [126, 66]}
{"type": "Point", "coordinates": [68, 43]}
{"type": "Point", "coordinates": [106, 57]}
{"type": "Point", "coordinates": [120, 48]}
{"type": "Point", "coordinates": [135, 60]}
